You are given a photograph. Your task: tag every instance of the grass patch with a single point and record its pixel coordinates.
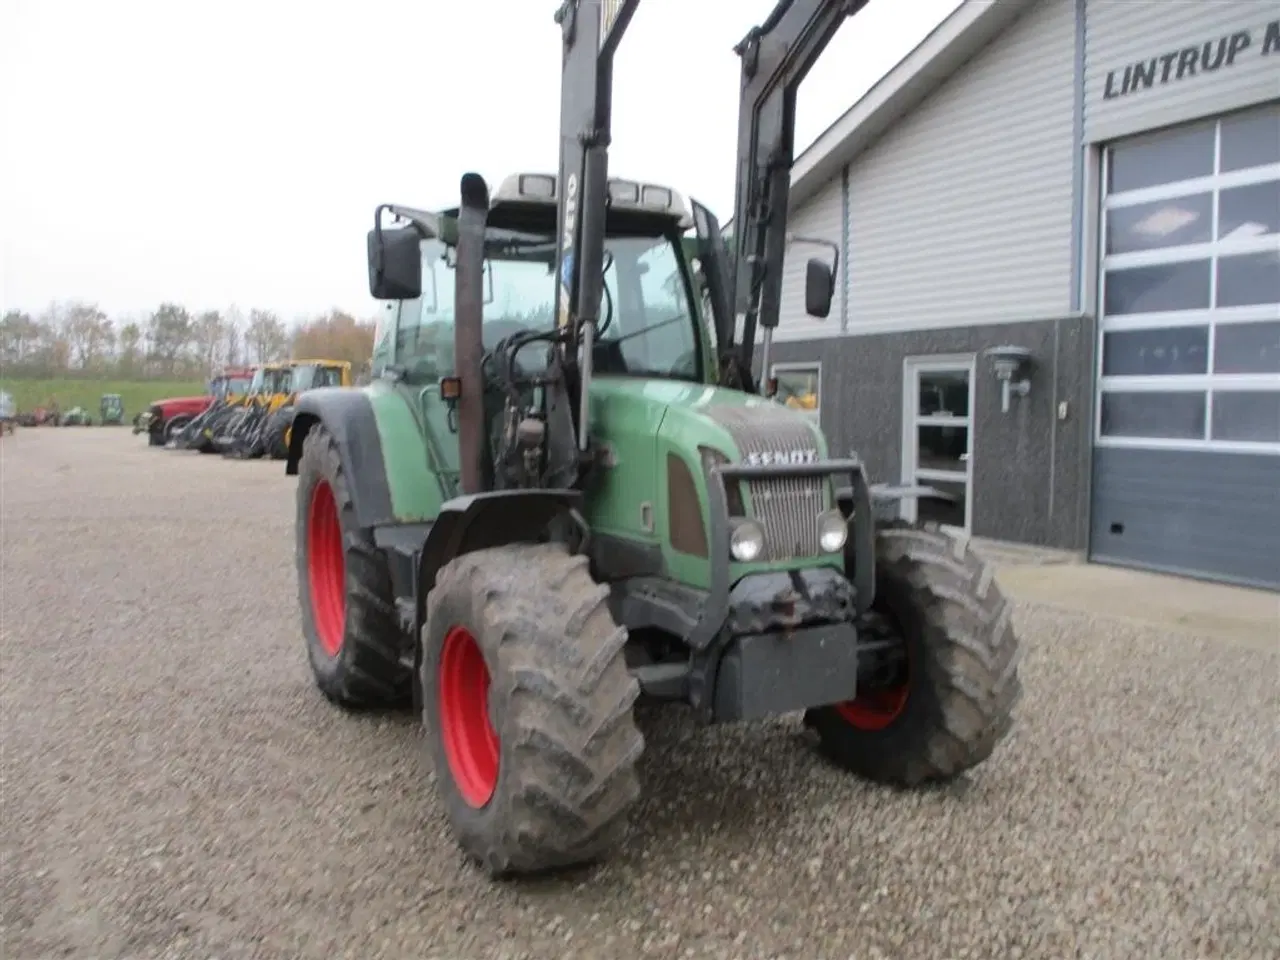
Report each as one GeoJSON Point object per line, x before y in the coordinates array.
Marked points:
{"type": "Point", "coordinates": [136, 395]}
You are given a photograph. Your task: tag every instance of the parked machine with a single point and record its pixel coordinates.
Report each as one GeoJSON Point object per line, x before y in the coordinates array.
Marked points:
{"type": "Point", "coordinates": [111, 410]}
{"type": "Point", "coordinates": [260, 426]}
{"type": "Point", "coordinates": [307, 375]}
{"type": "Point", "coordinates": [239, 434]}
{"type": "Point", "coordinates": [77, 417]}
{"type": "Point", "coordinates": [8, 413]}
{"type": "Point", "coordinates": [199, 432]}
{"type": "Point", "coordinates": [164, 420]}
{"type": "Point", "coordinates": [565, 489]}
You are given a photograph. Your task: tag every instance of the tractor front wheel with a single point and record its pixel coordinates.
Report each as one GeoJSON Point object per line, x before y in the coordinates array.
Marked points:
{"type": "Point", "coordinates": [276, 433]}
{"type": "Point", "coordinates": [349, 620]}
{"type": "Point", "coordinates": [527, 704]}
{"type": "Point", "coordinates": [174, 427]}
{"type": "Point", "coordinates": [958, 677]}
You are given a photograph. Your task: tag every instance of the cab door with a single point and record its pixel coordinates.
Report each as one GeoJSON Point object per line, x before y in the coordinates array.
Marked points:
{"type": "Point", "coordinates": [421, 352]}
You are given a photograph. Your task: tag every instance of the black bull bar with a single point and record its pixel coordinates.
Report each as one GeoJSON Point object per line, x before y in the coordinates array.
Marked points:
{"type": "Point", "coordinates": [861, 533]}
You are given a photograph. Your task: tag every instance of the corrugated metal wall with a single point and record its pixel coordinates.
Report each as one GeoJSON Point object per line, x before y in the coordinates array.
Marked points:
{"type": "Point", "coordinates": [962, 213]}
{"type": "Point", "coordinates": [1171, 43]}
{"type": "Point", "coordinates": [821, 216]}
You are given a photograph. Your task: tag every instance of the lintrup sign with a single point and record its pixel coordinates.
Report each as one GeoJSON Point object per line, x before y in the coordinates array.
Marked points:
{"type": "Point", "coordinates": [1190, 61]}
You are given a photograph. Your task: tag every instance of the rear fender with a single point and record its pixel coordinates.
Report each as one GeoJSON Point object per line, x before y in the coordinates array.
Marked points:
{"type": "Point", "coordinates": [382, 449]}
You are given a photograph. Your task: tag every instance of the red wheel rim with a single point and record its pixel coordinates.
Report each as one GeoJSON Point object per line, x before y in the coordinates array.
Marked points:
{"type": "Point", "coordinates": [326, 568]}
{"type": "Point", "coordinates": [470, 743]}
{"type": "Point", "coordinates": [875, 710]}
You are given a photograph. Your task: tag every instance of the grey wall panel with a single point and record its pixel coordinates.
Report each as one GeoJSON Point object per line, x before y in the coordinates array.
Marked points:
{"type": "Point", "coordinates": [1030, 468]}
{"type": "Point", "coordinates": [1215, 515]}
{"type": "Point", "coordinates": [1122, 34]}
{"type": "Point", "coordinates": [961, 213]}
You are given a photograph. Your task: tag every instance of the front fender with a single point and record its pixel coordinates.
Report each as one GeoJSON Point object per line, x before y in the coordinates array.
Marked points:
{"type": "Point", "coordinates": [382, 449]}
{"type": "Point", "coordinates": [478, 521]}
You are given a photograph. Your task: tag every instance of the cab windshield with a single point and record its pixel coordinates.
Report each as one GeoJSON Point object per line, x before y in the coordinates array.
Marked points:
{"type": "Point", "coordinates": [309, 376]}
{"type": "Point", "coordinates": [237, 385]}
{"type": "Point", "coordinates": [647, 327]}
{"type": "Point", "coordinates": [304, 376]}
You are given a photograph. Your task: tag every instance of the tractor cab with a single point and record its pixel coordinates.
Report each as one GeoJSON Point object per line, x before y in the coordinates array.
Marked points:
{"type": "Point", "coordinates": [651, 321]}
{"type": "Point", "coordinates": [313, 374]}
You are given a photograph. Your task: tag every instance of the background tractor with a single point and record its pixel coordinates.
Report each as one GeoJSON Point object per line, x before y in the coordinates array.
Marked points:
{"type": "Point", "coordinates": [111, 410]}
{"type": "Point", "coordinates": [165, 420]}
{"type": "Point", "coordinates": [563, 489]}
{"type": "Point", "coordinates": [228, 397]}
{"type": "Point", "coordinates": [77, 417]}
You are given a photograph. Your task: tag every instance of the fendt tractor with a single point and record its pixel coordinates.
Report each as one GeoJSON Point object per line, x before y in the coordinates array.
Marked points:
{"type": "Point", "coordinates": [565, 489]}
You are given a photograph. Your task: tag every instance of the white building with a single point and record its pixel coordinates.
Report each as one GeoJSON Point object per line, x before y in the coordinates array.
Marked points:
{"type": "Point", "coordinates": [1097, 182]}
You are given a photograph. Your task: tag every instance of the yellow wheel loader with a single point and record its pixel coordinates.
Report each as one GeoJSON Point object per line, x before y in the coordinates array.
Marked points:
{"type": "Point", "coordinates": [307, 375]}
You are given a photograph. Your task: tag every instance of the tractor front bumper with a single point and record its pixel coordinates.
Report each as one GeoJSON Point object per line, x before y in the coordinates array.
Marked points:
{"type": "Point", "coordinates": [766, 674]}
{"type": "Point", "coordinates": [861, 534]}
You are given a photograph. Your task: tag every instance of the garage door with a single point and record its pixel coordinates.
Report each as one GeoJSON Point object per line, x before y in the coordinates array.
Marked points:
{"type": "Point", "coordinates": [1187, 436]}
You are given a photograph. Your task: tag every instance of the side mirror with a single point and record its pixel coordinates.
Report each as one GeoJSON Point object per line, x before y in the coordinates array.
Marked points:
{"type": "Point", "coordinates": [395, 264]}
{"type": "Point", "coordinates": [819, 288]}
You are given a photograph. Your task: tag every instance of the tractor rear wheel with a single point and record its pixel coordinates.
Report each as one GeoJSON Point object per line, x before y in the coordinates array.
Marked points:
{"type": "Point", "coordinates": [527, 704]}
{"type": "Point", "coordinates": [958, 682]}
{"type": "Point", "coordinates": [349, 619]}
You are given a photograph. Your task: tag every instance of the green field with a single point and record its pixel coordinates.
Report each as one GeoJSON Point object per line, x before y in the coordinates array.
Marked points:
{"type": "Point", "coordinates": [136, 395]}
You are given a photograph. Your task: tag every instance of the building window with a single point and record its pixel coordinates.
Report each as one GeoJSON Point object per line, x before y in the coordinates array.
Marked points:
{"type": "Point", "coordinates": [799, 386]}
{"type": "Point", "coordinates": [1190, 287]}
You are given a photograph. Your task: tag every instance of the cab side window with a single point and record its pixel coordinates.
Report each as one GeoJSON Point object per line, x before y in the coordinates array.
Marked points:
{"type": "Point", "coordinates": [424, 330]}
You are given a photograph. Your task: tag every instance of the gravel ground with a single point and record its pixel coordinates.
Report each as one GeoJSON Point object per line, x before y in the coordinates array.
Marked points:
{"type": "Point", "coordinates": [174, 786]}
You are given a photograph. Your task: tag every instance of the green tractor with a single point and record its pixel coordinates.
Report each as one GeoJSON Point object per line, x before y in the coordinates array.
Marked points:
{"type": "Point", "coordinates": [77, 417]}
{"type": "Point", "coordinates": [564, 489]}
{"type": "Point", "coordinates": [111, 409]}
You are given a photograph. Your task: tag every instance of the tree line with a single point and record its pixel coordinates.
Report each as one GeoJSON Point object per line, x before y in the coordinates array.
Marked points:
{"type": "Point", "coordinates": [77, 339]}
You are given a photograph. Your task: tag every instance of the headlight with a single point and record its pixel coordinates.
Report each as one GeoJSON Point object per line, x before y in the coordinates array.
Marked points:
{"type": "Point", "coordinates": [746, 541]}
{"type": "Point", "coordinates": [833, 531]}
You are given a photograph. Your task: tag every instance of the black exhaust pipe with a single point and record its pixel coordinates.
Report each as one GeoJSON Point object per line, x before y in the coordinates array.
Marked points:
{"type": "Point", "coordinates": [468, 335]}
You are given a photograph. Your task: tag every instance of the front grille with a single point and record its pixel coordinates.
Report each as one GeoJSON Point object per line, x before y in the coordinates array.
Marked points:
{"type": "Point", "coordinates": [786, 507]}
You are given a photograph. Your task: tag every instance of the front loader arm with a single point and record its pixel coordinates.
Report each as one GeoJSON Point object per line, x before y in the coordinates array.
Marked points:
{"type": "Point", "coordinates": [776, 56]}
{"type": "Point", "coordinates": [592, 30]}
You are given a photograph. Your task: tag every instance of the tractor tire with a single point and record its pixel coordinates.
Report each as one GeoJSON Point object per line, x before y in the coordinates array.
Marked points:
{"type": "Point", "coordinates": [275, 434]}
{"type": "Point", "coordinates": [353, 638]}
{"type": "Point", "coordinates": [536, 770]}
{"type": "Point", "coordinates": [960, 683]}
{"type": "Point", "coordinates": [174, 427]}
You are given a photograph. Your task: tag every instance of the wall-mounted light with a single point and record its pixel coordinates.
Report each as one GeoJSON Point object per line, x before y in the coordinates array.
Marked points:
{"type": "Point", "coordinates": [1009, 361]}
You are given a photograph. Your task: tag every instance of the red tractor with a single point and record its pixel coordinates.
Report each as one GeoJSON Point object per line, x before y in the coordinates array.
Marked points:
{"type": "Point", "coordinates": [163, 419]}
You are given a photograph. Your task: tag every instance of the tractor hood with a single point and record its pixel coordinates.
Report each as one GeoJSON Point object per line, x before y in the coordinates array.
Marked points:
{"type": "Point", "coordinates": [739, 426]}
{"type": "Point", "coordinates": [172, 405]}
{"type": "Point", "coordinates": [660, 439]}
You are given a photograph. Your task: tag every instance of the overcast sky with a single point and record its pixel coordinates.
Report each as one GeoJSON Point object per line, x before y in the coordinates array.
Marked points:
{"type": "Point", "coordinates": [232, 152]}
